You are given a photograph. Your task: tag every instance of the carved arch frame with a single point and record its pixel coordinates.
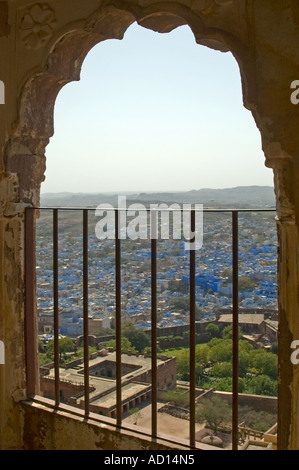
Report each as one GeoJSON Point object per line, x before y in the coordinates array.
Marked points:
{"type": "Point", "coordinates": [64, 54]}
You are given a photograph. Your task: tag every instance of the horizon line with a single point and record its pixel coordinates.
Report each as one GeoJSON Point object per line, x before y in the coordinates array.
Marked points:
{"type": "Point", "coordinates": [157, 191]}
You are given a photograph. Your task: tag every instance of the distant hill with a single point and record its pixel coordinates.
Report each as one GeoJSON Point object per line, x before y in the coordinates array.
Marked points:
{"type": "Point", "coordinates": [254, 197]}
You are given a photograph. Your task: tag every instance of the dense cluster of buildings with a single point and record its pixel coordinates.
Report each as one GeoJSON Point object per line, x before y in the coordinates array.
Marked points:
{"type": "Point", "coordinates": [257, 264]}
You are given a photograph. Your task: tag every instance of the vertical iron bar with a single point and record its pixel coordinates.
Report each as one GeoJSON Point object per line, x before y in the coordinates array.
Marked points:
{"type": "Point", "coordinates": [30, 306]}
{"type": "Point", "coordinates": [56, 306]}
{"type": "Point", "coordinates": [192, 335]}
{"type": "Point", "coordinates": [118, 319]}
{"type": "Point", "coordinates": [154, 320]}
{"type": "Point", "coordinates": [235, 332]}
{"type": "Point", "coordinates": [85, 310]}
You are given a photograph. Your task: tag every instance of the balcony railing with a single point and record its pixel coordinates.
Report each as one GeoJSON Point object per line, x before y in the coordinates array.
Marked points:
{"type": "Point", "coordinates": [32, 215]}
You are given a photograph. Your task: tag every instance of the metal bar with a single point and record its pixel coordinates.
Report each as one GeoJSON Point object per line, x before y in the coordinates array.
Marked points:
{"type": "Point", "coordinates": [85, 310]}
{"type": "Point", "coordinates": [235, 330]}
{"type": "Point", "coordinates": [32, 372]}
{"type": "Point", "coordinates": [192, 336]}
{"type": "Point", "coordinates": [30, 303]}
{"type": "Point", "coordinates": [154, 320]}
{"type": "Point", "coordinates": [118, 320]}
{"type": "Point", "coordinates": [109, 208]}
{"type": "Point", "coordinates": [56, 306]}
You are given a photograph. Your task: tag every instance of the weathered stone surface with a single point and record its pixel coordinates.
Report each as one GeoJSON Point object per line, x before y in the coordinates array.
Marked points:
{"type": "Point", "coordinates": [42, 47]}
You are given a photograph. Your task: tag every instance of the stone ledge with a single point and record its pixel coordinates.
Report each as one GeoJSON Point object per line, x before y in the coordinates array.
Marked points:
{"type": "Point", "coordinates": [48, 429]}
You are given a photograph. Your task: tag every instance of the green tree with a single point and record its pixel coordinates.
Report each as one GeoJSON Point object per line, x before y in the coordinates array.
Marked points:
{"type": "Point", "coordinates": [262, 385]}
{"type": "Point", "coordinates": [103, 332]}
{"type": "Point", "coordinates": [245, 346]}
{"type": "Point", "coordinates": [258, 420]}
{"type": "Point", "coordinates": [213, 330]}
{"type": "Point", "coordinates": [202, 353]}
{"type": "Point", "coordinates": [176, 397]}
{"type": "Point", "coordinates": [183, 364]}
{"type": "Point", "coordinates": [214, 412]}
{"type": "Point", "coordinates": [223, 383]}
{"type": "Point", "coordinates": [138, 339]}
{"type": "Point", "coordinates": [222, 369]}
{"type": "Point", "coordinates": [220, 350]}
{"type": "Point", "coordinates": [66, 344]}
{"type": "Point", "coordinates": [244, 360]}
{"type": "Point", "coordinates": [245, 350]}
{"type": "Point", "coordinates": [246, 283]}
{"type": "Point", "coordinates": [264, 362]}
{"type": "Point", "coordinates": [227, 332]}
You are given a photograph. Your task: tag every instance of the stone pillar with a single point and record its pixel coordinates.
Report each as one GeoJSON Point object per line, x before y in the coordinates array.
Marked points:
{"type": "Point", "coordinates": [287, 194]}
{"type": "Point", "coordinates": [12, 373]}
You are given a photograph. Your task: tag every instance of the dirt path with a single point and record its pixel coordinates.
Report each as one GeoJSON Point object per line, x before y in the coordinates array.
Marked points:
{"type": "Point", "coordinates": [166, 423]}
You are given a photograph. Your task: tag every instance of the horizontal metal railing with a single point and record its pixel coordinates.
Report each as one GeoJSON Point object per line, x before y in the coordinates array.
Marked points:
{"type": "Point", "coordinates": [30, 317]}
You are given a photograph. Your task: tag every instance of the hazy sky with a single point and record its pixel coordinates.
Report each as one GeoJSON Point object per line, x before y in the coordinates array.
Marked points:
{"type": "Point", "coordinates": [154, 112]}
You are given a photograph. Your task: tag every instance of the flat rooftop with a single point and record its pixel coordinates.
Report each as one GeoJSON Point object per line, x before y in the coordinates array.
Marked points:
{"type": "Point", "coordinates": [127, 392]}
{"type": "Point", "coordinates": [244, 318]}
{"type": "Point", "coordinates": [104, 393]}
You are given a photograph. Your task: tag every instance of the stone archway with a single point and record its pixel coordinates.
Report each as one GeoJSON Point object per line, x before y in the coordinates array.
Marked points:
{"type": "Point", "coordinates": [34, 125]}
{"type": "Point", "coordinates": [50, 43]}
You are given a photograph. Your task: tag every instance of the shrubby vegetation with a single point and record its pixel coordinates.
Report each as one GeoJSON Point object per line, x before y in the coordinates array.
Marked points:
{"type": "Point", "coordinates": [126, 345]}
{"type": "Point", "coordinates": [215, 413]}
{"type": "Point", "coordinates": [132, 339]}
{"type": "Point", "coordinates": [68, 351]}
{"type": "Point", "coordinates": [139, 339]}
{"type": "Point", "coordinates": [176, 397]}
{"type": "Point", "coordinates": [258, 420]}
{"type": "Point", "coordinates": [257, 367]}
